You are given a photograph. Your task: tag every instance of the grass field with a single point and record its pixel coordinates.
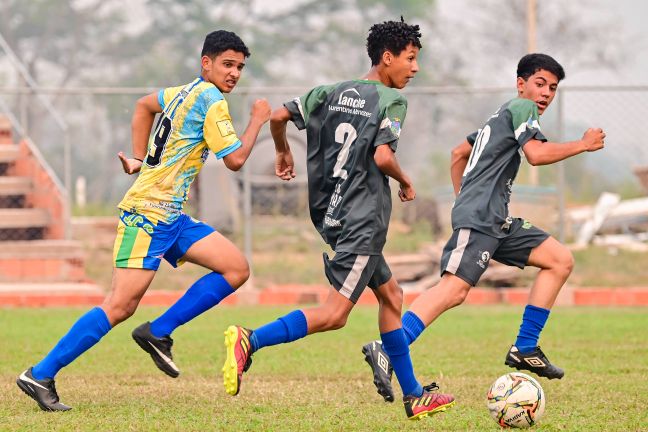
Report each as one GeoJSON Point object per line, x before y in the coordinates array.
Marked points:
{"type": "Point", "coordinates": [321, 382]}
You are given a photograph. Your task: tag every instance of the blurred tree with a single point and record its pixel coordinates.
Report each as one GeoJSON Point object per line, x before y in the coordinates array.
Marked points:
{"type": "Point", "coordinates": [62, 41]}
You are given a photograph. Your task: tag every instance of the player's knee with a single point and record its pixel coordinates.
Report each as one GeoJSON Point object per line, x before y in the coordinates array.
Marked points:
{"type": "Point", "coordinates": [335, 320]}
{"type": "Point", "coordinates": [459, 295]}
{"type": "Point", "coordinates": [567, 263]}
{"type": "Point", "coordinates": [564, 263]}
{"type": "Point", "coordinates": [393, 297]}
{"type": "Point", "coordinates": [238, 275]}
{"type": "Point", "coordinates": [118, 313]}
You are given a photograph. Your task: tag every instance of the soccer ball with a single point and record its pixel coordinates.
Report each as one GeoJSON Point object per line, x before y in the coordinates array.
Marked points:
{"type": "Point", "coordinates": [516, 400]}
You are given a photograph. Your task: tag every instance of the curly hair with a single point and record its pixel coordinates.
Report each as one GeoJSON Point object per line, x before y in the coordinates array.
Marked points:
{"type": "Point", "coordinates": [220, 41]}
{"type": "Point", "coordinates": [532, 63]}
{"type": "Point", "coordinates": [392, 36]}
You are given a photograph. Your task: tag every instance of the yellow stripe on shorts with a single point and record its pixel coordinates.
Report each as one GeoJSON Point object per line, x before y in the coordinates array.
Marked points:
{"type": "Point", "coordinates": [131, 246]}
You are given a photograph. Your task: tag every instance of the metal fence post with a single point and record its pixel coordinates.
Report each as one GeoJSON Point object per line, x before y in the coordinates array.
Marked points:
{"type": "Point", "coordinates": [561, 171]}
{"type": "Point", "coordinates": [247, 203]}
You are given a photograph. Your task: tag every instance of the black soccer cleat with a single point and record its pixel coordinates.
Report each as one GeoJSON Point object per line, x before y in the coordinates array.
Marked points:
{"type": "Point", "coordinates": [158, 348]}
{"type": "Point", "coordinates": [381, 368]}
{"type": "Point", "coordinates": [535, 361]}
{"type": "Point", "coordinates": [42, 391]}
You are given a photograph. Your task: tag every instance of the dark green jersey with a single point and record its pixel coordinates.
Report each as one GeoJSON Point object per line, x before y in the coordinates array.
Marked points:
{"type": "Point", "coordinates": [482, 203]}
{"type": "Point", "coordinates": [348, 196]}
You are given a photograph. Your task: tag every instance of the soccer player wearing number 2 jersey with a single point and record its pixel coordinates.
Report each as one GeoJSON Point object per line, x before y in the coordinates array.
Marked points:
{"type": "Point", "coordinates": [194, 121]}
{"type": "Point", "coordinates": [483, 169]}
{"type": "Point", "coordinates": [353, 128]}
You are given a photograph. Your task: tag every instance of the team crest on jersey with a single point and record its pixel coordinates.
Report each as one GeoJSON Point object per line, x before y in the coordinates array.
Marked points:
{"type": "Point", "coordinates": [225, 128]}
{"type": "Point", "coordinates": [395, 126]}
{"type": "Point", "coordinates": [532, 123]}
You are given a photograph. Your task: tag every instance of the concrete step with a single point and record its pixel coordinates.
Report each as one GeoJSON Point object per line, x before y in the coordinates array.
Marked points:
{"type": "Point", "coordinates": [42, 261]}
{"type": "Point", "coordinates": [24, 218]}
{"type": "Point", "coordinates": [15, 185]}
{"type": "Point", "coordinates": [41, 249]}
{"type": "Point", "coordinates": [51, 288]}
{"type": "Point", "coordinates": [8, 153]}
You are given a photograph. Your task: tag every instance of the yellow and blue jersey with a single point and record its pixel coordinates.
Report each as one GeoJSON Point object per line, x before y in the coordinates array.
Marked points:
{"type": "Point", "coordinates": [195, 119]}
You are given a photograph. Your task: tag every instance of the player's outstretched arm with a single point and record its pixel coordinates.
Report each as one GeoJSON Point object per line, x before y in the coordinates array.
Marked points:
{"type": "Point", "coordinates": [259, 115]}
{"type": "Point", "coordinates": [544, 153]}
{"type": "Point", "coordinates": [284, 164]}
{"type": "Point", "coordinates": [458, 161]}
{"type": "Point", "coordinates": [388, 165]}
{"type": "Point", "coordinates": [143, 116]}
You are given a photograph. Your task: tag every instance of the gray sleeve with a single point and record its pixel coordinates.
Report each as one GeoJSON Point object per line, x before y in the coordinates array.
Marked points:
{"type": "Point", "coordinates": [295, 108]}
{"type": "Point", "coordinates": [472, 137]}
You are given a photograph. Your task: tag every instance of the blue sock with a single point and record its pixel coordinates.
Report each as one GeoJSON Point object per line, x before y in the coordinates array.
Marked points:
{"type": "Point", "coordinates": [286, 329]}
{"type": "Point", "coordinates": [533, 322]}
{"type": "Point", "coordinates": [83, 335]}
{"type": "Point", "coordinates": [412, 326]}
{"type": "Point", "coordinates": [204, 294]}
{"type": "Point", "coordinates": [396, 346]}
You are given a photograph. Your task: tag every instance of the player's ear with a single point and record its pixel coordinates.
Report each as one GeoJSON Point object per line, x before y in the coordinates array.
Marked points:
{"type": "Point", "coordinates": [206, 62]}
{"type": "Point", "coordinates": [520, 85]}
{"type": "Point", "coordinates": [387, 57]}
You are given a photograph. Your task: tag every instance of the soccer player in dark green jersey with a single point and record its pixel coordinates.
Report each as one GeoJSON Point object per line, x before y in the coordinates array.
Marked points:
{"type": "Point", "coordinates": [353, 129]}
{"type": "Point", "coordinates": [483, 169]}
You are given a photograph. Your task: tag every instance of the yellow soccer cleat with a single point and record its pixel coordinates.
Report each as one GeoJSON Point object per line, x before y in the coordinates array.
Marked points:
{"type": "Point", "coordinates": [239, 357]}
{"type": "Point", "coordinates": [428, 403]}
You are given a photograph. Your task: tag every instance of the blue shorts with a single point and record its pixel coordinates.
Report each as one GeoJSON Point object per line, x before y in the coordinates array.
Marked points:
{"type": "Point", "coordinates": [141, 243]}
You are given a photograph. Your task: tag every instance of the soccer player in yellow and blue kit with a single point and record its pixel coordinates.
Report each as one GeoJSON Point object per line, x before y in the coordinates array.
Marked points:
{"type": "Point", "coordinates": [194, 120]}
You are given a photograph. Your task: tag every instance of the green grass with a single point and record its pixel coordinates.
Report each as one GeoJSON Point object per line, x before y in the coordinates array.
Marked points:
{"type": "Point", "coordinates": [321, 382]}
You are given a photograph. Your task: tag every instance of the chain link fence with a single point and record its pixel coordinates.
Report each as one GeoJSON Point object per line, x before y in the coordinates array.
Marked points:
{"type": "Point", "coordinates": [438, 118]}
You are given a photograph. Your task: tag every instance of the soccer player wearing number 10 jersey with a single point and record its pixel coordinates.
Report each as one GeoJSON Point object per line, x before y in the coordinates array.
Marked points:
{"type": "Point", "coordinates": [194, 121]}
{"type": "Point", "coordinates": [483, 169]}
{"type": "Point", "coordinates": [353, 130]}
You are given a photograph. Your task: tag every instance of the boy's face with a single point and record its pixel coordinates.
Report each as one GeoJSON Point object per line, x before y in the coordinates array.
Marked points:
{"type": "Point", "coordinates": [224, 70]}
{"type": "Point", "coordinates": [401, 68]}
{"type": "Point", "coordinates": [540, 88]}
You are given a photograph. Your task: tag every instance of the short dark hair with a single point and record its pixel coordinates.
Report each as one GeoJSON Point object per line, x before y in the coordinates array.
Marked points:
{"type": "Point", "coordinates": [532, 63]}
{"type": "Point", "coordinates": [220, 41]}
{"type": "Point", "coordinates": [393, 36]}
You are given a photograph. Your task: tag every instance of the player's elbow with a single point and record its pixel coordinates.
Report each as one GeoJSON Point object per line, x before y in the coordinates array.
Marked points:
{"type": "Point", "coordinates": [533, 158]}
{"type": "Point", "coordinates": [383, 159]}
{"type": "Point", "coordinates": [279, 117]}
{"type": "Point", "coordinates": [233, 162]}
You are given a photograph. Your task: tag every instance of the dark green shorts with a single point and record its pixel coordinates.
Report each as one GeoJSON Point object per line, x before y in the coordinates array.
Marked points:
{"type": "Point", "coordinates": [350, 273]}
{"type": "Point", "coordinates": [468, 252]}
